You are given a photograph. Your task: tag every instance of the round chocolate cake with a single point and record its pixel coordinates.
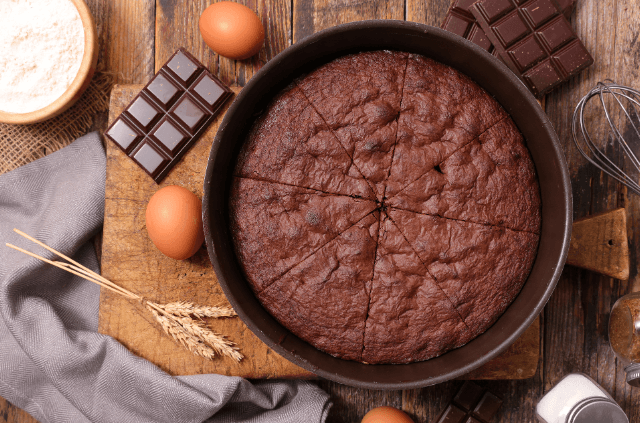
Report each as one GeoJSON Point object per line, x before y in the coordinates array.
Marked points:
{"type": "Point", "coordinates": [385, 208]}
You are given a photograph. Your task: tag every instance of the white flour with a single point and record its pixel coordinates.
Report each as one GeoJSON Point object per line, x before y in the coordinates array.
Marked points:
{"type": "Point", "coordinates": [41, 48]}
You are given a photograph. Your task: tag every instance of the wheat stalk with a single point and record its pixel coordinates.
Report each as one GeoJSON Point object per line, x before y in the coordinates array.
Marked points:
{"type": "Point", "coordinates": [185, 309]}
{"type": "Point", "coordinates": [177, 319]}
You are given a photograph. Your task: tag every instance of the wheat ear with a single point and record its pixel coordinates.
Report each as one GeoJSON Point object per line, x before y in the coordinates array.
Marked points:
{"type": "Point", "coordinates": [177, 319]}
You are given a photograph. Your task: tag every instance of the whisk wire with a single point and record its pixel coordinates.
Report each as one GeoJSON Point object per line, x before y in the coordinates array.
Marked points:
{"type": "Point", "coordinates": [619, 136]}
{"type": "Point", "coordinates": [597, 157]}
{"type": "Point", "coordinates": [603, 163]}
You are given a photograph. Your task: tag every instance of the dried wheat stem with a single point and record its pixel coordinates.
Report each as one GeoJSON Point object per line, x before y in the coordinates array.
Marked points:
{"type": "Point", "coordinates": [65, 266]}
{"type": "Point", "coordinates": [175, 318]}
{"type": "Point", "coordinates": [100, 281]}
{"type": "Point", "coordinates": [76, 264]}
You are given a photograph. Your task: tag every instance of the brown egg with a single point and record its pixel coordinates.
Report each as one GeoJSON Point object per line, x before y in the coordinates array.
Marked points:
{"type": "Point", "coordinates": [174, 222]}
{"type": "Point", "coordinates": [386, 415]}
{"type": "Point", "coordinates": [231, 30]}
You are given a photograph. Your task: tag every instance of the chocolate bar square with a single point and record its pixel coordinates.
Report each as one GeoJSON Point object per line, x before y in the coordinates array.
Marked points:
{"type": "Point", "coordinates": [163, 91]}
{"type": "Point", "coordinates": [487, 407]}
{"type": "Point", "coordinates": [125, 135]}
{"type": "Point", "coordinates": [170, 113]}
{"type": "Point", "coordinates": [534, 39]}
{"type": "Point", "coordinates": [169, 135]}
{"type": "Point", "coordinates": [149, 158]}
{"type": "Point", "coordinates": [468, 395]}
{"type": "Point", "coordinates": [472, 404]}
{"type": "Point", "coordinates": [452, 414]}
{"type": "Point", "coordinates": [461, 21]}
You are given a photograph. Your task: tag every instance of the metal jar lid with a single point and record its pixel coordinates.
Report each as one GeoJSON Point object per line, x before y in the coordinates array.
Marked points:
{"type": "Point", "coordinates": [597, 410]}
{"type": "Point", "coordinates": [633, 374]}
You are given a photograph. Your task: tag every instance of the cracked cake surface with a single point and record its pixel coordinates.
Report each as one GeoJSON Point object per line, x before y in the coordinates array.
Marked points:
{"type": "Point", "coordinates": [359, 97]}
{"type": "Point", "coordinates": [305, 296]}
{"type": "Point", "coordinates": [385, 208]}
{"type": "Point", "coordinates": [410, 317]}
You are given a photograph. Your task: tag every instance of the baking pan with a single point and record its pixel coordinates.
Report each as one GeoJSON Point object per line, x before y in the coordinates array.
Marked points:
{"type": "Point", "coordinates": [491, 74]}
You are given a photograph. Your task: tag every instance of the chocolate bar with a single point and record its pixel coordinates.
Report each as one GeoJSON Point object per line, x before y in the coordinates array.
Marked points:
{"type": "Point", "coordinates": [170, 113]}
{"type": "Point", "coordinates": [534, 39]}
{"type": "Point", "coordinates": [461, 21]}
{"type": "Point", "coordinates": [472, 404]}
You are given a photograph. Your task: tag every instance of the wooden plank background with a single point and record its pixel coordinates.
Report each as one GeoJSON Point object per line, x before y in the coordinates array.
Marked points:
{"type": "Point", "coordinates": [136, 36]}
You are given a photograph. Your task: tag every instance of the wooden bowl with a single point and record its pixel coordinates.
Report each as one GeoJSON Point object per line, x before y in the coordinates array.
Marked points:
{"type": "Point", "coordinates": [80, 82]}
{"type": "Point", "coordinates": [492, 75]}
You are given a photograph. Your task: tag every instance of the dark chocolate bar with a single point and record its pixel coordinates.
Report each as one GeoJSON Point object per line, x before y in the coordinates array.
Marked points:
{"type": "Point", "coordinates": [534, 39]}
{"type": "Point", "coordinates": [169, 114]}
{"type": "Point", "coordinates": [461, 21]}
{"type": "Point", "coordinates": [472, 404]}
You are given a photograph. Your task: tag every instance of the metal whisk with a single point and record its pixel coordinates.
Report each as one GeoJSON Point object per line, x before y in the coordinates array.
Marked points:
{"type": "Point", "coordinates": [628, 100]}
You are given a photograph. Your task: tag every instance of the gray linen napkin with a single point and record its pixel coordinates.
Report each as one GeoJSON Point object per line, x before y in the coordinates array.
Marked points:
{"type": "Point", "coordinates": [53, 363]}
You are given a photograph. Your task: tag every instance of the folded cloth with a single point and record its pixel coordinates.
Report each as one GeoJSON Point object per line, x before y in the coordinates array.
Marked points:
{"type": "Point", "coordinates": [53, 362]}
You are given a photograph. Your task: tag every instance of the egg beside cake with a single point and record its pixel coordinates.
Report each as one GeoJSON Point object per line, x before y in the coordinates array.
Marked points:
{"type": "Point", "coordinates": [385, 208]}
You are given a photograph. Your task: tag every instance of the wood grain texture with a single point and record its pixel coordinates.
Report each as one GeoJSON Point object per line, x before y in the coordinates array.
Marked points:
{"type": "Point", "coordinates": [9, 413]}
{"type": "Point", "coordinates": [599, 243]}
{"type": "Point", "coordinates": [130, 260]}
{"type": "Point", "coordinates": [126, 36]}
{"type": "Point", "coordinates": [519, 361]}
{"type": "Point", "coordinates": [177, 26]}
{"type": "Point", "coordinates": [311, 16]}
{"type": "Point", "coordinates": [427, 12]}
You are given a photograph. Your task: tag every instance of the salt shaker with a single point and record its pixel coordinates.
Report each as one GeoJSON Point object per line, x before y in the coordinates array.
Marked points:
{"type": "Point", "coordinates": [624, 335]}
{"type": "Point", "coordinates": [579, 399]}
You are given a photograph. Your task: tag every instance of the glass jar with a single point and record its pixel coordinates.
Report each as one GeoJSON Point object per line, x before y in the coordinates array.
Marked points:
{"type": "Point", "coordinates": [624, 335]}
{"type": "Point", "coordinates": [579, 399]}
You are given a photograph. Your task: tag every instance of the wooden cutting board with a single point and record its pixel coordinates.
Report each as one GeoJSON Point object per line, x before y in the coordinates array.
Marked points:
{"type": "Point", "coordinates": [131, 260]}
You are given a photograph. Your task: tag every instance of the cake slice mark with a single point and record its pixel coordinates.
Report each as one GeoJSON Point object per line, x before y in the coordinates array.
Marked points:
{"type": "Point", "coordinates": [443, 109]}
{"type": "Point", "coordinates": [320, 247]}
{"type": "Point", "coordinates": [292, 144]}
{"type": "Point", "coordinates": [464, 220]}
{"type": "Point", "coordinates": [338, 140]}
{"type": "Point", "coordinates": [447, 157]}
{"type": "Point", "coordinates": [303, 298]}
{"type": "Point", "coordinates": [258, 291]}
{"type": "Point", "coordinates": [271, 181]}
{"type": "Point", "coordinates": [429, 272]}
{"type": "Point", "coordinates": [501, 160]}
{"type": "Point", "coordinates": [387, 89]}
{"type": "Point", "coordinates": [296, 220]}
{"type": "Point", "coordinates": [373, 275]}
{"type": "Point", "coordinates": [393, 151]}
{"type": "Point", "coordinates": [485, 270]}
{"type": "Point", "coordinates": [410, 318]}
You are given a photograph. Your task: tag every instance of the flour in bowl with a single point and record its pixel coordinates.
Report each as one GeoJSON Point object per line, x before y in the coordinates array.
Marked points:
{"type": "Point", "coordinates": [41, 46]}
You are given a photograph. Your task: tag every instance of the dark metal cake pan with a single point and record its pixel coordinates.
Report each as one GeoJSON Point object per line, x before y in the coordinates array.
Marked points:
{"type": "Point", "coordinates": [492, 75]}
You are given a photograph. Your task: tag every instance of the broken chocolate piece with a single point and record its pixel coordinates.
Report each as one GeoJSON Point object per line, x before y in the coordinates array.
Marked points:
{"type": "Point", "coordinates": [534, 39]}
{"type": "Point", "coordinates": [471, 406]}
{"type": "Point", "coordinates": [461, 21]}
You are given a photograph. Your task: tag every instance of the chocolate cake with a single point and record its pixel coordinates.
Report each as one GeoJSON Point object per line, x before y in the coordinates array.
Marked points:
{"type": "Point", "coordinates": [385, 208]}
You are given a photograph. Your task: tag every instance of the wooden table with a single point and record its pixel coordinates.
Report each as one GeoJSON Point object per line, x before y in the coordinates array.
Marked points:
{"type": "Point", "coordinates": [137, 36]}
